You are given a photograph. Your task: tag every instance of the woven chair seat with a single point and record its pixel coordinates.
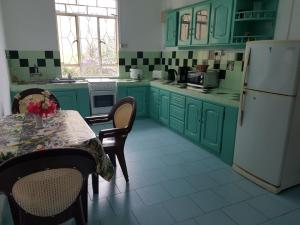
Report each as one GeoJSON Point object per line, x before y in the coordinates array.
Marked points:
{"type": "Point", "coordinates": [48, 193]}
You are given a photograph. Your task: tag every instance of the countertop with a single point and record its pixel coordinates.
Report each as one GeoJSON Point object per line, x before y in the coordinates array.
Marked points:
{"type": "Point", "coordinates": [222, 96]}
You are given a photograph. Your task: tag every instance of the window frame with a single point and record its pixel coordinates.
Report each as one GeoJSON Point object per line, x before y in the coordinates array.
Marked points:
{"type": "Point", "coordinates": [78, 39]}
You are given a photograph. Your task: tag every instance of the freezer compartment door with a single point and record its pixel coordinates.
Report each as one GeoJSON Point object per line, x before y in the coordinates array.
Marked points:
{"type": "Point", "coordinates": [262, 133]}
{"type": "Point", "coordinates": [273, 68]}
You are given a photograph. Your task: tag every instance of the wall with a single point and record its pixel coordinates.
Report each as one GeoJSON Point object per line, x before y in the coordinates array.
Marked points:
{"type": "Point", "coordinates": [30, 25]}
{"type": "Point", "coordinates": [140, 26]}
{"type": "Point", "coordinates": [4, 75]}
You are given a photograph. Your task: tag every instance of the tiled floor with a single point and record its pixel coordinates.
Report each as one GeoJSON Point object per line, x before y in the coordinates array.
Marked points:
{"type": "Point", "coordinates": [173, 181]}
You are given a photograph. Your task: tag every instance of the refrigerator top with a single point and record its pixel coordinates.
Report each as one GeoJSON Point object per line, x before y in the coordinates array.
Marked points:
{"type": "Point", "coordinates": [274, 42]}
{"type": "Point", "coordinates": [272, 66]}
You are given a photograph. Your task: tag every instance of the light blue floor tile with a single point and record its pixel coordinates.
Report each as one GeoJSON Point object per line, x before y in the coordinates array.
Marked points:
{"type": "Point", "coordinates": [128, 219]}
{"type": "Point", "coordinates": [269, 205]}
{"type": "Point", "coordinates": [172, 172]}
{"type": "Point", "coordinates": [188, 222]}
{"type": "Point", "coordinates": [251, 188]}
{"type": "Point", "coordinates": [225, 176]}
{"type": "Point", "coordinates": [153, 194]}
{"type": "Point", "coordinates": [243, 214]}
{"type": "Point", "coordinates": [182, 208]}
{"type": "Point", "coordinates": [178, 187]}
{"type": "Point", "coordinates": [208, 200]}
{"type": "Point", "coordinates": [124, 202]}
{"type": "Point", "coordinates": [292, 218]}
{"type": "Point", "coordinates": [201, 182]}
{"type": "Point", "coordinates": [215, 218]}
{"type": "Point", "coordinates": [151, 215]}
{"type": "Point", "coordinates": [232, 193]}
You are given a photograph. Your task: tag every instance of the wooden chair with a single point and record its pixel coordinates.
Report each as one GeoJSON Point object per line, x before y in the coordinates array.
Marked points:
{"type": "Point", "coordinates": [47, 187]}
{"type": "Point", "coordinates": [20, 101]}
{"type": "Point", "coordinates": [113, 140]}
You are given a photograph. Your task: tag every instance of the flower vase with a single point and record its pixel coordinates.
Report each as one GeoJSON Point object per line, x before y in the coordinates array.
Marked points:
{"type": "Point", "coordinates": [38, 122]}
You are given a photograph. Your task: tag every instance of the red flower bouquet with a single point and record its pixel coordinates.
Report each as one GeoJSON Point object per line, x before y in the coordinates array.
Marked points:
{"type": "Point", "coordinates": [43, 107]}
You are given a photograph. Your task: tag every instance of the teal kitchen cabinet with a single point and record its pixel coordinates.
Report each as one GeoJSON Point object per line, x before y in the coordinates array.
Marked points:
{"type": "Point", "coordinates": [121, 92]}
{"type": "Point", "coordinates": [171, 26]}
{"type": "Point", "coordinates": [193, 115]}
{"type": "Point", "coordinates": [66, 99]}
{"type": "Point", "coordinates": [229, 131]}
{"type": "Point", "coordinates": [154, 103]}
{"type": "Point", "coordinates": [221, 21]}
{"type": "Point", "coordinates": [140, 95]}
{"type": "Point", "coordinates": [212, 126]}
{"type": "Point", "coordinates": [185, 26]}
{"type": "Point", "coordinates": [177, 112]}
{"type": "Point", "coordinates": [200, 28]}
{"type": "Point", "coordinates": [164, 107]}
{"type": "Point", "coordinates": [71, 99]}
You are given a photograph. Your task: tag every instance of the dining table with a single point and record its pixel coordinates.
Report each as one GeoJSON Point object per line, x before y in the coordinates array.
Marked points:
{"type": "Point", "coordinates": [64, 129]}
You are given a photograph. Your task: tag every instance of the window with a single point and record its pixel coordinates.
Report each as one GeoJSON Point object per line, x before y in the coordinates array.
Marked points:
{"type": "Point", "coordinates": [88, 37]}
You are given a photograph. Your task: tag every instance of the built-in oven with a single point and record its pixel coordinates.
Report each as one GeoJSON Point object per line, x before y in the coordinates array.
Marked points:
{"type": "Point", "coordinates": [102, 95]}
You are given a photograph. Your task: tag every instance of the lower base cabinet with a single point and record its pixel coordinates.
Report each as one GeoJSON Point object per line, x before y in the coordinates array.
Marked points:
{"type": "Point", "coordinates": [164, 107]}
{"type": "Point", "coordinates": [71, 99]}
{"type": "Point", "coordinates": [140, 95]}
{"type": "Point", "coordinates": [154, 103]}
{"type": "Point", "coordinates": [193, 114]}
{"type": "Point", "coordinates": [212, 126]}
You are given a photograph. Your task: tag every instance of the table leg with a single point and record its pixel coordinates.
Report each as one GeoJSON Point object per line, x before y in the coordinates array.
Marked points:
{"type": "Point", "coordinates": [84, 199]}
{"type": "Point", "coordinates": [95, 183]}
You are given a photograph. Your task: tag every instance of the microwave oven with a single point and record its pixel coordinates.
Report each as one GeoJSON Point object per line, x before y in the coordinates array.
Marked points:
{"type": "Point", "coordinates": [209, 79]}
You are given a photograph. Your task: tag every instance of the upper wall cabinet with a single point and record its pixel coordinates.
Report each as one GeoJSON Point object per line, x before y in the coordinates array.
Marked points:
{"type": "Point", "coordinates": [201, 24]}
{"type": "Point", "coordinates": [185, 26]}
{"type": "Point", "coordinates": [221, 14]}
{"type": "Point", "coordinates": [253, 20]}
{"type": "Point", "coordinates": [171, 19]}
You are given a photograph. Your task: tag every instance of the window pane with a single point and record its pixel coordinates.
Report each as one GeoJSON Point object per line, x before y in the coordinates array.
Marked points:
{"type": "Point", "coordinates": [87, 2]}
{"type": "Point", "coordinates": [90, 63]}
{"type": "Point", "coordinates": [76, 9]}
{"type": "Point", "coordinates": [66, 1]}
{"type": "Point", "coordinates": [67, 39]}
{"type": "Point", "coordinates": [108, 31]}
{"type": "Point", "coordinates": [97, 11]}
{"type": "Point", "coordinates": [107, 3]}
{"type": "Point", "coordinates": [60, 8]}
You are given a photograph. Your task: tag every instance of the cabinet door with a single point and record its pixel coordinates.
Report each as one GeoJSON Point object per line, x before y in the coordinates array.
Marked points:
{"type": "Point", "coordinates": [140, 96]}
{"type": "Point", "coordinates": [221, 15]}
{"type": "Point", "coordinates": [212, 126]}
{"type": "Point", "coordinates": [121, 92]}
{"type": "Point", "coordinates": [184, 27]}
{"type": "Point", "coordinates": [193, 116]}
{"type": "Point", "coordinates": [164, 107]}
{"type": "Point", "coordinates": [200, 29]}
{"type": "Point", "coordinates": [171, 29]}
{"type": "Point", "coordinates": [67, 99]}
{"type": "Point", "coordinates": [154, 103]}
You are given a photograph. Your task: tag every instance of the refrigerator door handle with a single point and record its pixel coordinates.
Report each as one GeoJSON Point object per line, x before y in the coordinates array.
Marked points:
{"type": "Point", "coordinates": [246, 66]}
{"type": "Point", "coordinates": [242, 107]}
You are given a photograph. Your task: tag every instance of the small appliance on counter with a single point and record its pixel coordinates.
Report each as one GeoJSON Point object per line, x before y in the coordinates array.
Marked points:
{"type": "Point", "coordinates": [157, 75]}
{"type": "Point", "coordinates": [183, 74]}
{"type": "Point", "coordinates": [136, 74]}
{"type": "Point", "coordinates": [203, 80]}
{"type": "Point", "coordinates": [172, 75]}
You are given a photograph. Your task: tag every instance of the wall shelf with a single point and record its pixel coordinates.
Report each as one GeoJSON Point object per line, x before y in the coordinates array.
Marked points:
{"type": "Point", "coordinates": [255, 15]}
{"type": "Point", "coordinates": [244, 39]}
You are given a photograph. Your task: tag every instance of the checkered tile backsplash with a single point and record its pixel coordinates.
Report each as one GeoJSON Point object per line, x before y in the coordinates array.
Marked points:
{"type": "Point", "coordinates": [23, 63]}
{"type": "Point", "coordinates": [147, 61]}
{"type": "Point", "coordinates": [231, 62]}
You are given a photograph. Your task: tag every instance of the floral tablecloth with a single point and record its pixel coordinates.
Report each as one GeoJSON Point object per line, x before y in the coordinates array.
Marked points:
{"type": "Point", "coordinates": [66, 128]}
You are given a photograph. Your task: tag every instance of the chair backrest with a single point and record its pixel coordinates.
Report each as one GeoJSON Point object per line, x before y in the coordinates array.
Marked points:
{"type": "Point", "coordinates": [123, 113]}
{"type": "Point", "coordinates": [33, 94]}
{"type": "Point", "coordinates": [46, 183]}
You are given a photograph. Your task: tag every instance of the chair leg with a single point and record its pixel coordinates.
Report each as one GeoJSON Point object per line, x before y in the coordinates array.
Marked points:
{"type": "Point", "coordinates": [122, 162]}
{"type": "Point", "coordinates": [84, 200]}
{"type": "Point", "coordinates": [95, 183]}
{"type": "Point", "coordinates": [14, 211]}
{"type": "Point", "coordinates": [112, 158]}
{"type": "Point", "coordinates": [79, 215]}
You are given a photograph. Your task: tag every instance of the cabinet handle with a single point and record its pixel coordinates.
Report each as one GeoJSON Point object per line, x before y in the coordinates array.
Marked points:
{"type": "Point", "coordinates": [242, 106]}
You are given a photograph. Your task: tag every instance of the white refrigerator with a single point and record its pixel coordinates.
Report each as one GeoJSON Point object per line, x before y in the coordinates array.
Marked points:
{"type": "Point", "coordinates": [267, 146]}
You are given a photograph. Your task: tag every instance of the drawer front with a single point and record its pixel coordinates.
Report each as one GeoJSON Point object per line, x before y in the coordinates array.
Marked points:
{"type": "Point", "coordinates": [176, 125]}
{"type": "Point", "coordinates": [178, 100]}
{"type": "Point", "coordinates": [177, 112]}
